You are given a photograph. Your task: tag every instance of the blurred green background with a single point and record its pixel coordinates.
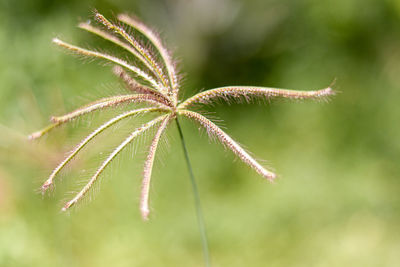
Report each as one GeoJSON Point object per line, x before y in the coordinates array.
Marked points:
{"type": "Point", "coordinates": [337, 200]}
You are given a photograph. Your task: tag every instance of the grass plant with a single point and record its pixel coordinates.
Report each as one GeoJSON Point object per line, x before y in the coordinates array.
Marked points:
{"type": "Point", "coordinates": [152, 78]}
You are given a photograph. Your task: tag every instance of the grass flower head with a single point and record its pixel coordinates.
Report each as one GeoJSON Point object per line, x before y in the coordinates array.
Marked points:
{"type": "Point", "coordinates": [151, 77]}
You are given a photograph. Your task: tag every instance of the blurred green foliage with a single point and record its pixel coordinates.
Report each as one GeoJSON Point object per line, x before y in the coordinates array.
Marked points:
{"type": "Point", "coordinates": [338, 199]}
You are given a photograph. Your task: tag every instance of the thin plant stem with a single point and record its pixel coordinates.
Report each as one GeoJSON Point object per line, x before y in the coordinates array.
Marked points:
{"type": "Point", "coordinates": [199, 213]}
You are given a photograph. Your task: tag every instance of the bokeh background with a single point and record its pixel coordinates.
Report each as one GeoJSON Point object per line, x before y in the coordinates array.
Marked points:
{"type": "Point", "coordinates": [337, 200]}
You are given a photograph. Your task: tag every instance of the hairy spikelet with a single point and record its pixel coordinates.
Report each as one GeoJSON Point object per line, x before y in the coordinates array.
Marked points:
{"type": "Point", "coordinates": [225, 139]}
{"type": "Point", "coordinates": [43, 131]}
{"type": "Point", "coordinates": [90, 137]}
{"type": "Point", "coordinates": [105, 35]}
{"type": "Point", "coordinates": [109, 102]}
{"type": "Point", "coordinates": [81, 51]}
{"type": "Point", "coordinates": [148, 166]}
{"type": "Point", "coordinates": [145, 53]}
{"type": "Point", "coordinates": [158, 44]}
{"type": "Point", "coordinates": [110, 158]}
{"type": "Point", "coordinates": [153, 83]}
{"type": "Point", "coordinates": [136, 87]}
{"type": "Point", "coordinates": [230, 92]}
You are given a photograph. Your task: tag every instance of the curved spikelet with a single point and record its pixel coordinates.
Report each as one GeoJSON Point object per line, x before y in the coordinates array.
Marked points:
{"type": "Point", "coordinates": [112, 59]}
{"type": "Point", "coordinates": [108, 102]}
{"type": "Point", "coordinates": [229, 92]}
{"type": "Point", "coordinates": [90, 137]}
{"type": "Point", "coordinates": [135, 87]}
{"type": "Point", "coordinates": [225, 139]}
{"type": "Point", "coordinates": [43, 131]}
{"type": "Point", "coordinates": [158, 44]}
{"type": "Point", "coordinates": [112, 156]}
{"type": "Point", "coordinates": [105, 35]}
{"type": "Point", "coordinates": [148, 166]}
{"type": "Point", "coordinates": [145, 53]}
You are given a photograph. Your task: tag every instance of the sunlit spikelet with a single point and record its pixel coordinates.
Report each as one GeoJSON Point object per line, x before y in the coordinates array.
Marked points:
{"type": "Point", "coordinates": [91, 136]}
{"type": "Point", "coordinates": [135, 87]}
{"type": "Point", "coordinates": [148, 166]}
{"type": "Point", "coordinates": [232, 92]}
{"type": "Point", "coordinates": [40, 133]}
{"type": "Point", "coordinates": [107, 36]}
{"type": "Point", "coordinates": [109, 102]}
{"type": "Point", "coordinates": [153, 83]}
{"type": "Point", "coordinates": [145, 53]}
{"type": "Point", "coordinates": [110, 158]}
{"type": "Point", "coordinates": [112, 59]}
{"type": "Point", "coordinates": [226, 140]}
{"type": "Point", "coordinates": [158, 44]}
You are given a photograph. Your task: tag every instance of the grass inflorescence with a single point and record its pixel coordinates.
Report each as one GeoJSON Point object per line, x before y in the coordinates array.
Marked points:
{"type": "Point", "coordinates": [152, 78]}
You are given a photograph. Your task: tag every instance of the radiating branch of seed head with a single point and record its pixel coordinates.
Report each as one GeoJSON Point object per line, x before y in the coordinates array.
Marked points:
{"type": "Point", "coordinates": [105, 35]}
{"type": "Point", "coordinates": [109, 102]}
{"type": "Point", "coordinates": [248, 91]}
{"type": "Point", "coordinates": [148, 166]}
{"type": "Point", "coordinates": [43, 131]}
{"type": "Point", "coordinates": [225, 139]}
{"type": "Point", "coordinates": [158, 44]}
{"type": "Point", "coordinates": [96, 105]}
{"type": "Point", "coordinates": [89, 53]}
{"type": "Point", "coordinates": [90, 137]}
{"type": "Point", "coordinates": [136, 87]}
{"type": "Point", "coordinates": [146, 54]}
{"type": "Point", "coordinates": [110, 158]}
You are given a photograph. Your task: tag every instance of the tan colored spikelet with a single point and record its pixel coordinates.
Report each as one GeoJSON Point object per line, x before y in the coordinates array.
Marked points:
{"type": "Point", "coordinates": [85, 52]}
{"type": "Point", "coordinates": [148, 166]}
{"type": "Point", "coordinates": [42, 132]}
{"type": "Point", "coordinates": [115, 40]}
{"type": "Point", "coordinates": [157, 42]}
{"type": "Point", "coordinates": [151, 76]}
{"type": "Point", "coordinates": [107, 103]}
{"type": "Point", "coordinates": [90, 137]}
{"type": "Point", "coordinates": [225, 139]}
{"type": "Point", "coordinates": [247, 91]}
{"type": "Point", "coordinates": [136, 87]}
{"type": "Point", "coordinates": [112, 156]}
{"type": "Point", "coordinates": [145, 53]}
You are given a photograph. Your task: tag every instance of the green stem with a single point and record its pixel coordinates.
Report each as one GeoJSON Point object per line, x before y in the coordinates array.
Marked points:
{"type": "Point", "coordinates": [199, 213]}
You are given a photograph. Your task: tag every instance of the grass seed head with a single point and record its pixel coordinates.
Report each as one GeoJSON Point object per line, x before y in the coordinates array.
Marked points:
{"type": "Point", "coordinates": [155, 84]}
